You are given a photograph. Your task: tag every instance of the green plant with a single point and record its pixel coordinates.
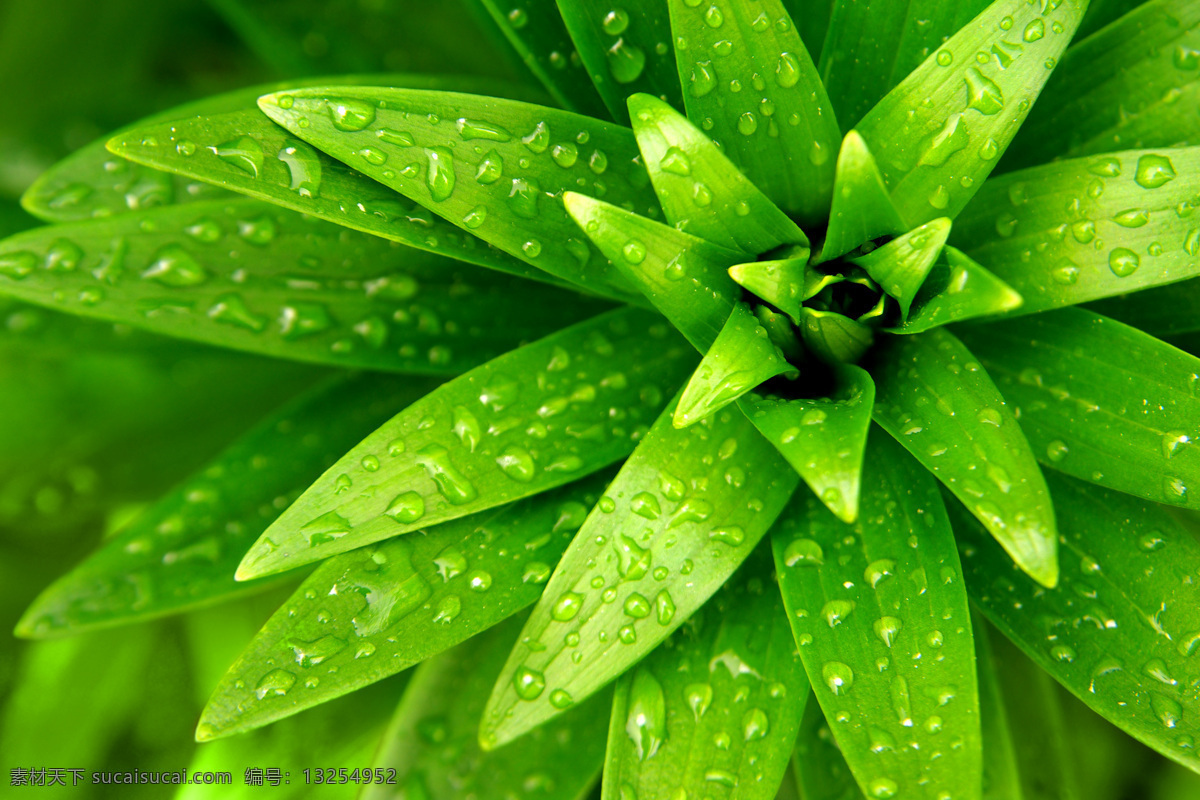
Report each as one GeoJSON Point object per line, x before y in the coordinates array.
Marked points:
{"type": "Point", "coordinates": [754, 350]}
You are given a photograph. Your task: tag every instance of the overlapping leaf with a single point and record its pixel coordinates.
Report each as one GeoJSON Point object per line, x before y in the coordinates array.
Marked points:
{"type": "Point", "coordinates": [957, 289]}
{"type": "Point", "coordinates": [862, 209]}
{"type": "Point", "coordinates": [901, 266]}
{"type": "Point", "coordinates": [821, 770]}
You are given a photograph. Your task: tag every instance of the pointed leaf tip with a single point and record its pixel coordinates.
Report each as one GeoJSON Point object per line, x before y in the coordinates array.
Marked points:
{"type": "Point", "coordinates": [901, 266]}
{"type": "Point", "coordinates": [862, 209]}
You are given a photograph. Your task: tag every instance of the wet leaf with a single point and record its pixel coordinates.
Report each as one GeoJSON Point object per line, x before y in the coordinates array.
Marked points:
{"type": "Point", "coordinates": [532, 419]}
{"type": "Point", "coordinates": [716, 705]}
{"type": "Point", "coordinates": [182, 552]}
{"type": "Point", "coordinates": [937, 401]}
{"type": "Point", "coordinates": [823, 438]}
{"type": "Point", "coordinates": [365, 615]}
{"type": "Point", "coordinates": [820, 768]}
{"type": "Point", "coordinates": [433, 743]}
{"type": "Point", "coordinates": [880, 613]}
{"type": "Point", "coordinates": [1118, 628]}
{"type": "Point", "coordinates": [700, 189]}
{"type": "Point", "coordinates": [252, 276]}
{"type": "Point", "coordinates": [1088, 228]}
{"type": "Point", "coordinates": [957, 289]}
{"type": "Point", "coordinates": [684, 511]}
{"type": "Point", "coordinates": [834, 338]}
{"type": "Point", "coordinates": [495, 168]}
{"type": "Point", "coordinates": [782, 283]}
{"type": "Point", "coordinates": [862, 209]}
{"type": "Point", "coordinates": [937, 135]}
{"type": "Point", "coordinates": [1100, 400]}
{"type": "Point", "coordinates": [1164, 311]}
{"type": "Point", "coordinates": [901, 266]}
{"type": "Point", "coordinates": [760, 98]}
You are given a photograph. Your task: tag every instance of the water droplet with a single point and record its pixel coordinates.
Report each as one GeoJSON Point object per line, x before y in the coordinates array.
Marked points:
{"type": "Point", "coordinates": [637, 606]}
{"type": "Point", "coordinates": [837, 676]}
{"type": "Point", "coordinates": [1123, 262]}
{"type": "Point", "coordinates": [351, 115]}
{"type": "Point", "coordinates": [646, 723]}
{"type": "Point", "coordinates": [983, 94]}
{"type": "Point", "coordinates": [275, 683]}
{"type": "Point", "coordinates": [1034, 30]}
{"type": "Point", "coordinates": [615, 22]}
{"type": "Point", "coordinates": [747, 123]}
{"type": "Point", "coordinates": [567, 606]}
{"type": "Point", "coordinates": [887, 629]}
{"type": "Point", "coordinates": [517, 463]}
{"type": "Point", "coordinates": [439, 176]}
{"type": "Point", "coordinates": [878, 570]}
{"type": "Point", "coordinates": [803, 552]}
{"type": "Point", "coordinates": [244, 152]}
{"type": "Point", "coordinates": [309, 654]}
{"type": "Point", "coordinates": [755, 725]}
{"type": "Point", "coordinates": [1154, 171]}
{"type": "Point", "coordinates": [703, 79]}
{"type": "Point", "coordinates": [787, 71]}
{"type": "Point", "coordinates": [1057, 450]}
{"type": "Point", "coordinates": [528, 683]}
{"type": "Point", "coordinates": [451, 483]}
{"type": "Point", "coordinates": [882, 788]}
{"type": "Point", "coordinates": [304, 167]}
{"type": "Point", "coordinates": [406, 507]}
{"type": "Point", "coordinates": [174, 266]}
{"type": "Point", "coordinates": [626, 61]}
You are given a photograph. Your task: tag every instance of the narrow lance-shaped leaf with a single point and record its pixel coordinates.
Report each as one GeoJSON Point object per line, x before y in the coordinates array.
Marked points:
{"type": "Point", "coordinates": [683, 276]}
{"type": "Point", "coordinates": [862, 209]}
{"type": "Point", "coordinates": [700, 189]}
{"type": "Point", "coordinates": [901, 266]}
{"type": "Point", "coordinates": [869, 50]}
{"type": "Point", "coordinates": [1001, 772]}
{"type": "Point", "coordinates": [782, 283]}
{"type": "Point", "coordinates": [1088, 228]}
{"type": "Point", "coordinates": [717, 704]}
{"type": "Point", "coordinates": [835, 338]}
{"type": "Point", "coordinates": [761, 98]}
{"type": "Point", "coordinates": [1165, 311]}
{"type": "Point", "coordinates": [880, 613]}
{"type": "Point", "coordinates": [1100, 400]}
{"type": "Point", "coordinates": [256, 277]}
{"type": "Point", "coordinates": [823, 438]}
{"type": "Point", "coordinates": [433, 740]}
{"type": "Point", "coordinates": [370, 613]}
{"type": "Point", "coordinates": [530, 420]}
{"type": "Point", "coordinates": [741, 358]}
{"type": "Point", "coordinates": [821, 770]}
{"type": "Point", "coordinates": [937, 401]}
{"type": "Point", "coordinates": [1118, 630]}
{"type": "Point", "coordinates": [937, 135]}
{"type": "Point", "coordinates": [183, 551]}
{"type": "Point", "coordinates": [684, 511]}
{"type": "Point", "coordinates": [1130, 85]}
{"type": "Point", "coordinates": [626, 49]}
{"type": "Point", "coordinates": [536, 31]}
{"type": "Point", "coordinates": [495, 168]}
{"type": "Point", "coordinates": [957, 289]}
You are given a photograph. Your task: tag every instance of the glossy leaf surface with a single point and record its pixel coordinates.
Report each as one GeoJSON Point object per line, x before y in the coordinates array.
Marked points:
{"type": "Point", "coordinates": [937, 401]}
{"type": "Point", "coordinates": [901, 266]}
{"type": "Point", "coordinates": [368, 614]}
{"type": "Point", "coordinates": [782, 283]}
{"type": "Point", "coordinates": [957, 289]}
{"type": "Point", "coordinates": [880, 613]}
{"type": "Point", "coordinates": [684, 511]}
{"type": "Point", "coordinates": [862, 209]}
{"type": "Point", "coordinates": [716, 705]}
{"type": "Point", "coordinates": [530, 420]}
{"type": "Point", "coordinates": [937, 135]}
{"type": "Point", "coordinates": [1163, 311]}
{"type": "Point", "coordinates": [761, 99]}
{"type": "Point", "coordinates": [252, 276]}
{"type": "Point", "coordinates": [1100, 400]}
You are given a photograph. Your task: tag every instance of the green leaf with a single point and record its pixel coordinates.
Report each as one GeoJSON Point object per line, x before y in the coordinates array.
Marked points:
{"type": "Point", "coordinates": [255, 277]}
{"type": "Point", "coordinates": [1130, 85]}
{"type": "Point", "coordinates": [626, 50]}
{"type": "Point", "coordinates": [870, 49]}
{"type": "Point", "coordinates": [536, 32]}
{"type": "Point", "coordinates": [1001, 772]}
{"type": "Point", "coordinates": [701, 191]}
{"type": "Point", "coordinates": [834, 338]}
{"type": "Point", "coordinates": [880, 613]}
{"type": "Point", "coordinates": [862, 209]}
{"type": "Point", "coordinates": [684, 511]}
{"type": "Point", "coordinates": [182, 552]}
{"type": "Point", "coordinates": [937, 135]}
{"type": "Point", "coordinates": [1101, 14]}
{"type": "Point", "coordinates": [496, 168]}
{"type": "Point", "coordinates": [717, 704]}
{"type": "Point", "coordinates": [936, 400]}
{"type": "Point", "coordinates": [741, 358]}
{"type": "Point", "coordinates": [901, 266]}
{"type": "Point", "coordinates": [782, 283]}
{"type": "Point", "coordinates": [823, 438]}
{"type": "Point", "coordinates": [1117, 631]}
{"type": "Point", "coordinates": [957, 289]}
{"type": "Point", "coordinates": [820, 768]}
{"type": "Point", "coordinates": [439, 715]}
{"type": "Point", "coordinates": [1170, 310]}
{"type": "Point", "coordinates": [370, 613]}
{"type": "Point", "coordinates": [750, 78]}
{"type": "Point", "coordinates": [530, 420]}
{"type": "Point", "coordinates": [1088, 228]}
{"type": "Point", "coordinates": [1100, 400]}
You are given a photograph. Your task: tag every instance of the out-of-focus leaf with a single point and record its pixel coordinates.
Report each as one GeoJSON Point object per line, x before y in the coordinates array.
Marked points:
{"type": "Point", "coordinates": [957, 289]}
{"type": "Point", "coordinates": [255, 277]}
{"type": "Point", "coordinates": [530, 420]}
{"type": "Point", "coordinates": [1170, 310]}
{"type": "Point", "coordinates": [1101, 13]}
{"type": "Point", "coordinates": [741, 358]}
{"type": "Point", "coordinates": [1088, 228]}
{"type": "Point", "coordinates": [835, 338]}
{"type": "Point", "coordinates": [937, 135]}
{"type": "Point", "coordinates": [183, 552]}
{"type": "Point", "coordinates": [700, 189]}
{"type": "Point", "coordinates": [683, 276]}
{"type": "Point", "coordinates": [684, 511]}
{"type": "Point", "coordinates": [760, 98]}
{"type": "Point", "coordinates": [862, 209]}
{"type": "Point", "coordinates": [1118, 629]}
{"type": "Point", "coordinates": [1100, 400]}
{"type": "Point", "coordinates": [880, 613]}
{"type": "Point", "coordinates": [871, 48]}
{"type": "Point", "coordinates": [433, 740]}
{"type": "Point", "coordinates": [1129, 86]}
{"type": "Point", "coordinates": [1001, 773]}
{"type": "Point", "coordinates": [823, 438]}
{"type": "Point", "coordinates": [820, 768]}
{"type": "Point", "coordinates": [937, 401]}
{"type": "Point", "coordinates": [370, 613]}
{"type": "Point", "coordinates": [495, 168]}
{"type": "Point", "coordinates": [535, 29]}
{"type": "Point", "coordinates": [901, 266]}
{"type": "Point", "coordinates": [717, 704]}
{"type": "Point", "coordinates": [626, 49]}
